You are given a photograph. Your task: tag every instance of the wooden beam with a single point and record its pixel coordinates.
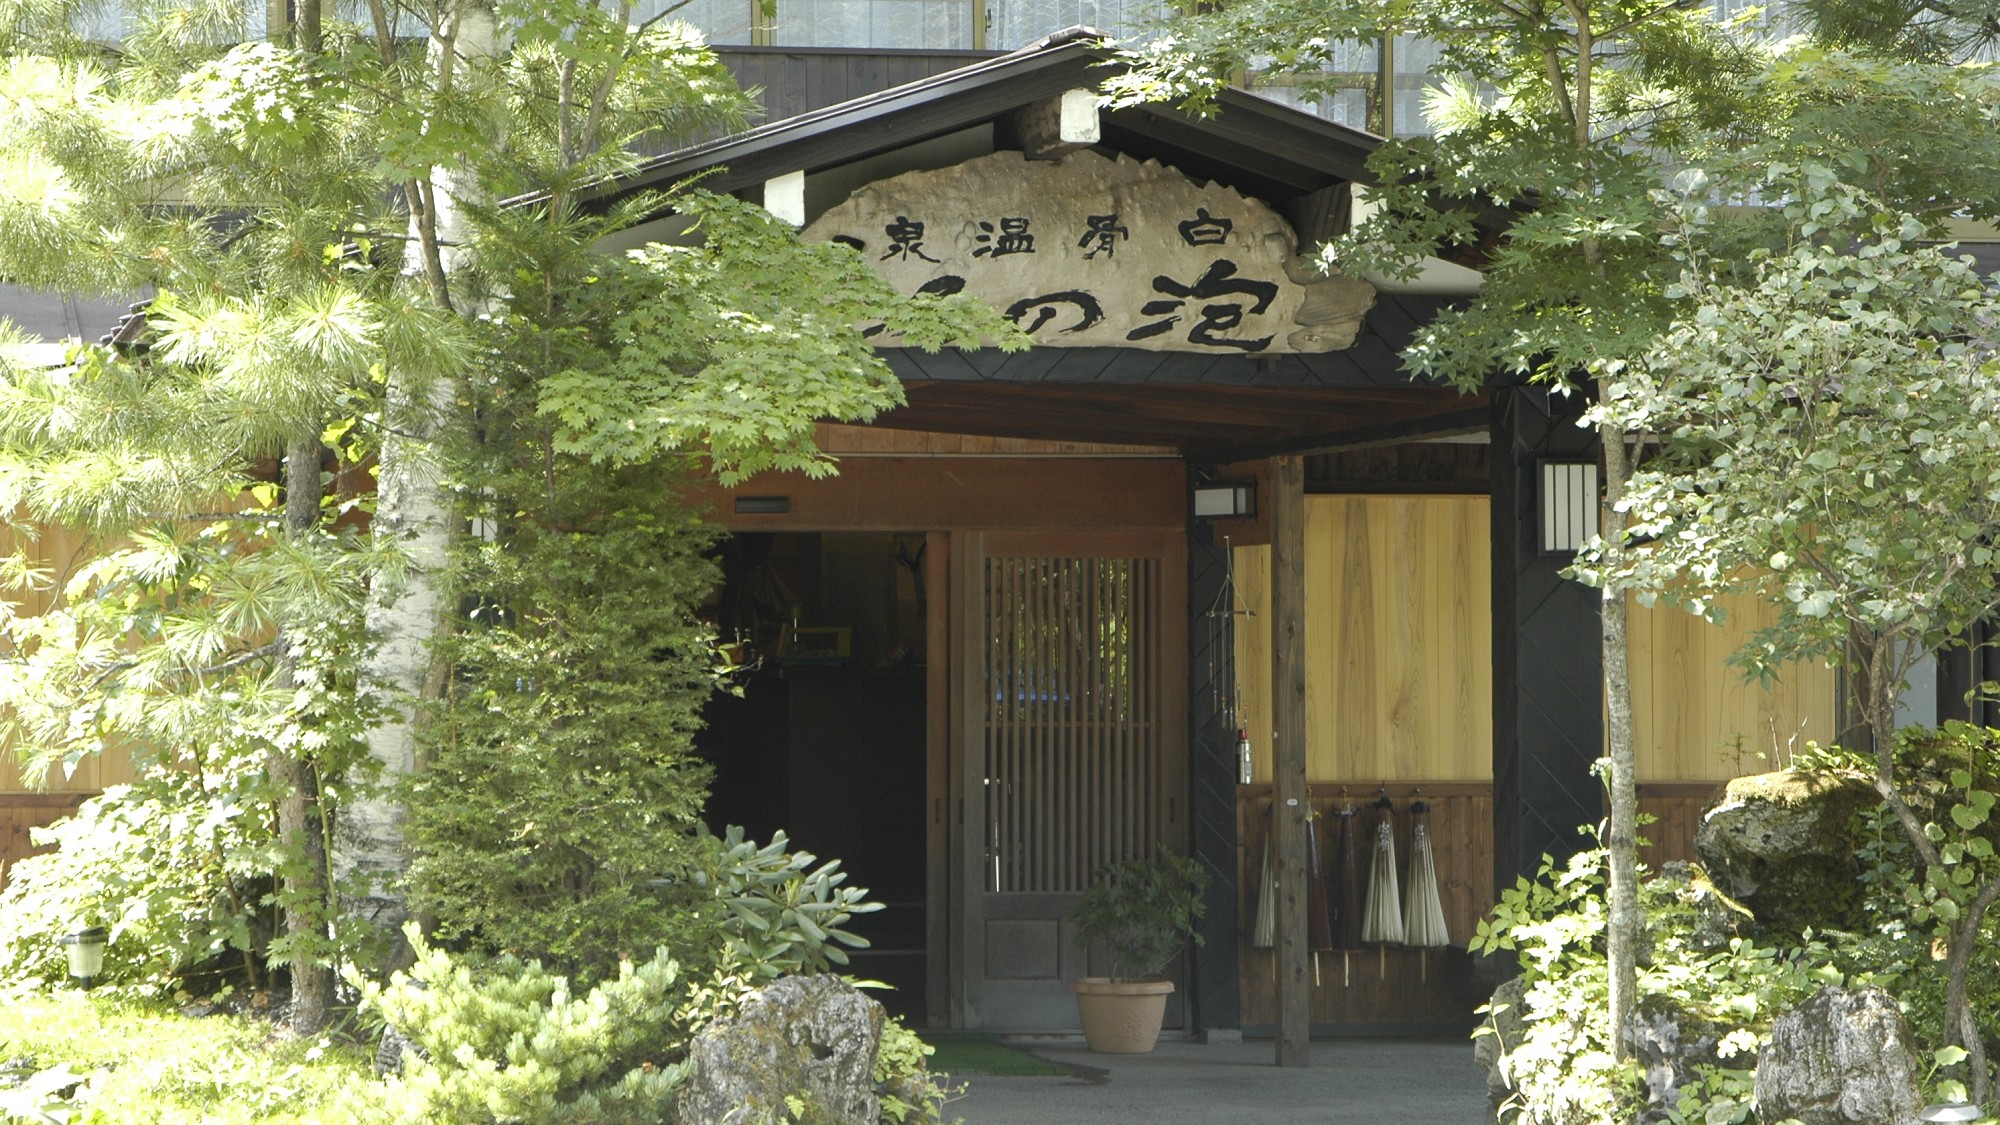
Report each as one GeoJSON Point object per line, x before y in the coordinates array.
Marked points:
{"type": "Point", "coordinates": [1052, 128]}
{"type": "Point", "coordinates": [1453, 423]}
{"type": "Point", "coordinates": [1288, 748]}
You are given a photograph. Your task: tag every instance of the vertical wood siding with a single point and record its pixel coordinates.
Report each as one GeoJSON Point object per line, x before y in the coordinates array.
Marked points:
{"type": "Point", "coordinates": [1695, 717]}
{"type": "Point", "coordinates": [1398, 665]}
{"type": "Point", "coordinates": [1398, 649]}
{"type": "Point", "coordinates": [20, 813]}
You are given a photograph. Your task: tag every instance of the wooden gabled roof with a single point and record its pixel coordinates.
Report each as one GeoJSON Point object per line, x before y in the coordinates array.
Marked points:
{"type": "Point", "coordinates": [1257, 146]}
{"type": "Point", "coordinates": [1215, 407]}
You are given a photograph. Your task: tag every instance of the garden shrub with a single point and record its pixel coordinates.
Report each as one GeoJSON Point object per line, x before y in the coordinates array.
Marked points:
{"type": "Point", "coordinates": [557, 818]}
{"type": "Point", "coordinates": [510, 1041]}
{"type": "Point", "coordinates": [176, 866]}
{"type": "Point", "coordinates": [1560, 1060]}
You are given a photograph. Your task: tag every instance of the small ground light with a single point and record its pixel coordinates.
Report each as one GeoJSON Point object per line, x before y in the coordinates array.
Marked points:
{"type": "Point", "coordinates": [86, 953]}
{"type": "Point", "coordinates": [1950, 1111]}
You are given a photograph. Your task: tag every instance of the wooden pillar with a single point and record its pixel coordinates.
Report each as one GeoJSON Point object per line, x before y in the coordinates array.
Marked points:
{"type": "Point", "coordinates": [1288, 746]}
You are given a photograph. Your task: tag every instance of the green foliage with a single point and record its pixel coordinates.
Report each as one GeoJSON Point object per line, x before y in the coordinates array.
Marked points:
{"type": "Point", "coordinates": [1144, 910]}
{"type": "Point", "coordinates": [558, 814]}
{"type": "Point", "coordinates": [911, 1094]}
{"type": "Point", "coordinates": [511, 1041]}
{"type": "Point", "coordinates": [169, 649]}
{"type": "Point", "coordinates": [1827, 444]}
{"type": "Point", "coordinates": [782, 911]}
{"type": "Point", "coordinates": [78, 1057]}
{"type": "Point", "coordinates": [1561, 1065]}
{"type": "Point", "coordinates": [735, 347]}
{"type": "Point", "coordinates": [177, 873]}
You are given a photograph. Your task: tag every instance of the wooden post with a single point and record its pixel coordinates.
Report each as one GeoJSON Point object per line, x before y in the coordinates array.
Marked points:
{"type": "Point", "coordinates": [1288, 753]}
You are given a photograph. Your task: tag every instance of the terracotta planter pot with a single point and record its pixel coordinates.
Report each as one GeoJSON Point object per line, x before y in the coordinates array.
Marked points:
{"type": "Point", "coordinates": [1121, 1017]}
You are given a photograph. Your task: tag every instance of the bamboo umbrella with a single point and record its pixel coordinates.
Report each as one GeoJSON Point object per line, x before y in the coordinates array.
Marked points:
{"type": "Point", "coordinates": [1319, 922]}
{"type": "Point", "coordinates": [1423, 915]}
{"type": "Point", "coordinates": [1264, 933]}
{"type": "Point", "coordinates": [1345, 891]}
{"type": "Point", "coordinates": [1382, 920]}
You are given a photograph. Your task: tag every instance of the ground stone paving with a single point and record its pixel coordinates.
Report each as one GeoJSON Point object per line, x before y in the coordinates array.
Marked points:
{"type": "Point", "coordinates": [1376, 1081]}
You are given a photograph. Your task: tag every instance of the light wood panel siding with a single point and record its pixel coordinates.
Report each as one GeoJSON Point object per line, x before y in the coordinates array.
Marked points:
{"type": "Point", "coordinates": [1690, 706]}
{"type": "Point", "coordinates": [1398, 664]}
{"type": "Point", "coordinates": [1398, 649]}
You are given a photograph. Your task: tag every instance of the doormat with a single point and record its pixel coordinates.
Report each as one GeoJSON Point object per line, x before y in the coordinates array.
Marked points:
{"type": "Point", "coordinates": [963, 1056]}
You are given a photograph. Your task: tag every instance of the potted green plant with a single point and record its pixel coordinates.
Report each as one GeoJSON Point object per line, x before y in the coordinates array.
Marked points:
{"type": "Point", "coordinates": [1143, 911]}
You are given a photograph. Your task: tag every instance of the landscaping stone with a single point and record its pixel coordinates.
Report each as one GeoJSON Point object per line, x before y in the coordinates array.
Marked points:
{"type": "Point", "coordinates": [1779, 844]}
{"type": "Point", "coordinates": [1669, 1044]}
{"type": "Point", "coordinates": [1841, 1058]}
{"type": "Point", "coordinates": [813, 1038]}
{"type": "Point", "coordinates": [1507, 1028]}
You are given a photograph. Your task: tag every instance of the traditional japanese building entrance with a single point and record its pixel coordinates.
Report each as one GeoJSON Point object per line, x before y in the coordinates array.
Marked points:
{"type": "Point", "coordinates": [1070, 751]}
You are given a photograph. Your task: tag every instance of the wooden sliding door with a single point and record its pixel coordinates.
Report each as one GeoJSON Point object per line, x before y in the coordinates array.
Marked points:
{"type": "Point", "coordinates": [1070, 705]}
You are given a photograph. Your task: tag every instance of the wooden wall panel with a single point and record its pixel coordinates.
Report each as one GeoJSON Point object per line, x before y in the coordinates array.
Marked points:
{"type": "Point", "coordinates": [21, 812]}
{"type": "Point", "coordinates": [1677, 809]}
{"type": "Point", "coordinates": [1379, 986]}
{"type": "Point", "coordinates": [61, 552]}
{"type": "Point", "coordinates": [1695, 717]}
{"type": "Point", "coordinates": [880, 441]}
{"type": "Point", "coordinates": [949, 494]}
{"type": "Point", "coordinates": [1398, 647]}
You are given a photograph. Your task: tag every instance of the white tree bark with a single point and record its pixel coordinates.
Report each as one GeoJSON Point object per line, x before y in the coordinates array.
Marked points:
{"type": "Point", "coordinates": [414, 513]}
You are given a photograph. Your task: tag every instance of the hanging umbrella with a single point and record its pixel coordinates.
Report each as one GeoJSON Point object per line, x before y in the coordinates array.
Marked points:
{"type": "Point", "coordinates": [1423, 915]}
{"type": "Point", "coordinates": [1382, 919]}
{"type": "Point", "coordinates": [1265, 932]}
{"type": "Point", "coordinates": [1319, 922]}
{"type": "Point", "coordinates": [1344, 889]}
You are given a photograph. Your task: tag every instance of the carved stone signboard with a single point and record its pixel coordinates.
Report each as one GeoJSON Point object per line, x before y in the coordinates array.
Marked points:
{"type": "Point", "coordinates": [1092, 252]}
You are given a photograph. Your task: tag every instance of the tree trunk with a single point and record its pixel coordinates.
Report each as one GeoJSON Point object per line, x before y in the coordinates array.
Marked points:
{"type": "Point", "coordinates": [413, 512]}
{"type": "Point", "coordinates": [1625, 920]}
{"type": "Point", "coordinates": [300, 827]}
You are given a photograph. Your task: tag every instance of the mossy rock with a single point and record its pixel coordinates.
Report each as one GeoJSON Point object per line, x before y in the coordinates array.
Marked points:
{"type": "Point", "coordinates": [1782, 844]}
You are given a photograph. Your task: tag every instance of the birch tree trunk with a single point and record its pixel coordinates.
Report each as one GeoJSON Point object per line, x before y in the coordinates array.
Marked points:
{"type": "Point", "coordinates": [1624, 921]}
{"type": "Point", "coordinates": [413, 512]}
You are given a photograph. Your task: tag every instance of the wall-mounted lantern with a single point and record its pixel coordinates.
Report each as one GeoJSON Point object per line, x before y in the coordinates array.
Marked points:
{"type": "Point", "coordinates": [1222, 501]}
{"type": "Point", "coordinates": [1568, 504]}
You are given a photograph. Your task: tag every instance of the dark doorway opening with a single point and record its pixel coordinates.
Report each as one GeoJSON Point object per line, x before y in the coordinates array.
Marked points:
{"type": "Point", "coordinates": [827, 739]}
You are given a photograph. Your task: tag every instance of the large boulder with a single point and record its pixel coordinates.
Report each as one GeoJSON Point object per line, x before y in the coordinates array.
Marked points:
{"type": "Point", "coordinates": [811, 1038]}
{"type": "Point", "coordinates": [1780, 844]}
{"type": "Point", "coordinates": [1670, 1047]}
{"type": "Point", "coordinates": [1841, 1058]}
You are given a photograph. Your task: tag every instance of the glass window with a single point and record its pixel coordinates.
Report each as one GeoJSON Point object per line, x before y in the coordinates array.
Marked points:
{"type": "Point", "coordinates": [1413, 62]}
{"type": "Point", "coordinates": [936, 25]}
{"type": "Point", "coordinates": [721, 21]}
{"type": "Point", "coordinates": [1344, 91]}
{"type": "Point", "coordinates": [1017, 23]}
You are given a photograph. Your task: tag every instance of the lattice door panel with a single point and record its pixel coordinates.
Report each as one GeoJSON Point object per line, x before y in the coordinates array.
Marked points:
{"type": "Point", "coordinates": [1072, 731]}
